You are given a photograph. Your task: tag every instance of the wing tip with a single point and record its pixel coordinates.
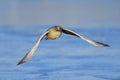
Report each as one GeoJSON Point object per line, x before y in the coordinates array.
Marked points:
{"type": "Point", "coordinates": [106, 45]}
{"type": "Point", "coordinates": [102, 44]}
{"type": "Point", "coordinates": [20, 62]}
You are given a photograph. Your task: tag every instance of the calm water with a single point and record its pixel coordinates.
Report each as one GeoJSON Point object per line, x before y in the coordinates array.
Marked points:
{"type": "Point", "coordinates": [67, 58]}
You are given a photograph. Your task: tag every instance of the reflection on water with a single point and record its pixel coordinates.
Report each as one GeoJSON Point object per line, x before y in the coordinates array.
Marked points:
{"type": "Point", "coordinates": [76, 60]}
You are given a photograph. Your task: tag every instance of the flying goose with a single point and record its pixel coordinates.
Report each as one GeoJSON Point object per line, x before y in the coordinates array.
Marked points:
{"type": "Point", "coordinates": [54, 33]}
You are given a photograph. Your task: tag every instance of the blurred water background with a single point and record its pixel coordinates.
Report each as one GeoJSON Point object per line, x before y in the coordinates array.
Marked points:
{"type": "Point", "coordinates": [67, 58]}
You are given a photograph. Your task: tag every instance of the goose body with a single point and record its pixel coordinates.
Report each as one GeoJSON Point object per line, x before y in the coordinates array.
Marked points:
{"type": "Point", "coordinates": [54, 33]}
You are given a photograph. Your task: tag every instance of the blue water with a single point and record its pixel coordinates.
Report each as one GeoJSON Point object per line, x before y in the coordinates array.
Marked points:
{"type": "Point", "coordinates": [67, 58]}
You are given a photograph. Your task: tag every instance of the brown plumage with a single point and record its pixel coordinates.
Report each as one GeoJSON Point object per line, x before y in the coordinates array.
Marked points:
{"type": "Point", "coordinates": [54, 33]}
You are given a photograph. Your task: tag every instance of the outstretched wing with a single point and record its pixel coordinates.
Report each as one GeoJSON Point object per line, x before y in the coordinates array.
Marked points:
{"type": "Point", "coordinates": [95, 43]}
{"type": "Point", "coordinates": [32, 51]}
